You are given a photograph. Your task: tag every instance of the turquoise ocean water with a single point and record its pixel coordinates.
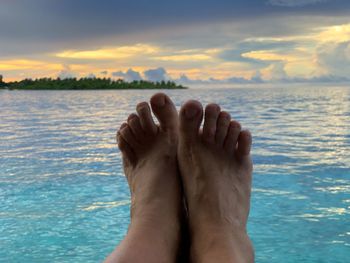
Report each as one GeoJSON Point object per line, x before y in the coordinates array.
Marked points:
{"type": "Point", "coordinates": [63, 197]}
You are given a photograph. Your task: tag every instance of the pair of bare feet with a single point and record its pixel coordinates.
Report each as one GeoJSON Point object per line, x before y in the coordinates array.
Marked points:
{"type": "Point", "coordinates": [210, 167]}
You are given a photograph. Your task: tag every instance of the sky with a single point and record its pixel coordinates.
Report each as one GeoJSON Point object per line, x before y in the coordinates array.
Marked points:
{"type": "Point", "coordinates": [188, 41]}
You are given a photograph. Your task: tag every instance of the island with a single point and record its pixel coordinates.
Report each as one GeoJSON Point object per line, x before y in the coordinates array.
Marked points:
{"type": "Point", "coordinates": [85, 84]}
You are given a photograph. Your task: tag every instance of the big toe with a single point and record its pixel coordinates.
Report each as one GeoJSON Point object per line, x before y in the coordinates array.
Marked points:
{"type": "Point", "coordinates": [165, 111]}
{"type": "Point", "coordinates": [191, 115]}
{"type": "Point", "coordinates": [212, 112]}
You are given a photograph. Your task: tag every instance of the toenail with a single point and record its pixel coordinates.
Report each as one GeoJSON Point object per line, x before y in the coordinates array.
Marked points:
{"type": "Point", "coordinates": [191, 112]}
{"type": "Point", "coordinates": [142, 106]}
{"type": "Point", "coordinates": [225, 115]}
{"type": "Point", "coordinates": [131, 121]}
{"type": "Point", "coordinates": [213, 107]}
{"type": "Point", "coordinates": [159, 101]}
{"type": "Point", "coordinates": [122, 128]}
{"type": "Point", "coordinates": [131, 117]}
{"type": "Point", "coordinates": [235, 125]}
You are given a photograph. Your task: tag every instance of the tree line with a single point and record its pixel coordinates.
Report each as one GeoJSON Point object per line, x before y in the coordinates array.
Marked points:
{"type": "Point", "coordinates": [86, 84]}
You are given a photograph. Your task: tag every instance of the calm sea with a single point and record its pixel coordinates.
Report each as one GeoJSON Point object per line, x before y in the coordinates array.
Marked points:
{"type": "Point", "coordinates": [63, 196]}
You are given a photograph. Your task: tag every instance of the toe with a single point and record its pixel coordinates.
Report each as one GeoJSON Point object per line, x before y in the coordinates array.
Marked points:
{"type": "Point", "coordinates": [212, 112]}
{"type": "Point", "coordinates": [222, 127]}
{"type": "Point", "coordinates": [135, 126]}
{"type": "Point", "coordinates": [146, 119]}
{"type": "Point", "coordinates": [129, 137]}
{"type": "Point", "coordinates": [191, 115]}
{"type": "Point", "coordinates": [165, 111]}
{"type": "Point", "coordinates": [232, 136]}
{"type": "Point", "coordinates": [123, 126]}
{"type": "Point", "coordinates": [244, 144]}
{"type": "Point", "coordinates": [128, 154]}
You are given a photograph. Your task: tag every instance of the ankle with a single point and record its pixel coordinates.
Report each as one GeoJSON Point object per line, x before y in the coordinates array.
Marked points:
{"type": "Point", "coordinates": [156, 238]}
{"type": "Point", "coordinates": [221, 244]}
{"type": "Point", "coordinates": [155, 213]}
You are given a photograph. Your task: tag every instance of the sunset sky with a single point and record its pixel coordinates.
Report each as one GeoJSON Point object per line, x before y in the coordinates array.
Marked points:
{"type": "Point", "coordinates": [251, 41]}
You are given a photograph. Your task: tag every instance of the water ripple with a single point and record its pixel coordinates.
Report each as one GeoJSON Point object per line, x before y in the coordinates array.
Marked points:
{"type": "Point", "coordinates": [64, 198]}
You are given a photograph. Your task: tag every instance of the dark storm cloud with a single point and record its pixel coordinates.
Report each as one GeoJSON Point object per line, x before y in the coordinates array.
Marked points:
{"type": "Point", "coordinates": [68, 20]}
{"type": "Point", "coordinates": [293, 3]}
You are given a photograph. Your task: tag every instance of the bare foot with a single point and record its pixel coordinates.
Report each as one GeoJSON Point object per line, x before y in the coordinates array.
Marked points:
{"type": "Point", "coordinates": [150, 166]}
{"type": "Point", "coordinates": [216, 171]}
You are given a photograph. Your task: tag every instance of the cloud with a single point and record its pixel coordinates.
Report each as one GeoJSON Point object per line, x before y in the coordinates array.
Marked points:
{"type": "Point", "coordinates": [154, 75]}
{"type": "Point", "coordinates": [334, 58]}
{"type": "Point", "coordinates": [331, 79]}
{"type": "Point", "coordinates": [255, 79]}
{"type": "Point", "coordinates": [256, 53]}
{"type": "Point", "coordinates": [319, 79]}
{"type": "Point", "coordinates": [276, 71]}
{"type": "Point", "coordinates": [185, 80]}
{"type": "Point", "coordinates": [237, 80]}
{"type": "Point", "coordinates": [91, 76]}
{"type": "Point", "coordinates": [177, 58]}
{"type": "Point", "coordinates": [88, 23]}
{"type": "Point", "coordinates": [294, 3]}
{"type": "Point", "coordinates": [26, 64]}
{"type": "Point", "coordinates": [109, 53]}
{"type": "Point", "coordinates": [129, 75]}
{"type": "Point", "coordinates": [67, 73]}
{"type": "Point", "coordinates": [158, 74]}
{"type": "Point", "coordinates": [322, 79]}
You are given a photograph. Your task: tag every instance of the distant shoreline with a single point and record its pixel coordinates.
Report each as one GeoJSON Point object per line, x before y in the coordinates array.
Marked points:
{"type": "Point", "coordinates": [87, 84]}
{"type": "Point", "coordinates": [14, 89]}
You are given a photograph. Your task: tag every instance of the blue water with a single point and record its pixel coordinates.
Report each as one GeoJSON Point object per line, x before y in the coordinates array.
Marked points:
{"type": "Point", "coordinates": [63, 197]}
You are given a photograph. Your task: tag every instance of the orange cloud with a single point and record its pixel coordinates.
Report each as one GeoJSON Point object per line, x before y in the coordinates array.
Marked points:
{"type": "Point", "coordinates": [24, 64]}
{"type": "Point", "coordinates": [110, 53]}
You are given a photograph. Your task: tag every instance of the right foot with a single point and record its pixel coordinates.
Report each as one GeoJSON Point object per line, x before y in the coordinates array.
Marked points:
{"type": "Point", "coordinates": [216, 171]}
{"type": "Point", "coordinates": [150, 165]}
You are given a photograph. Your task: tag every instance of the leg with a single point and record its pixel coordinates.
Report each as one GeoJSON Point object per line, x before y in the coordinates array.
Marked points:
{"type": "Point", "coordinates": [150, 166]}
{"type": "Point", "coordinates": [216, 171]}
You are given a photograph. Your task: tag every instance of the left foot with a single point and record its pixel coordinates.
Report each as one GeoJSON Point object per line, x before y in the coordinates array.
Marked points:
{"type": "Point", "coordinates": [150, 165]}
{"type": "Point", "coordinates": [216, 170]}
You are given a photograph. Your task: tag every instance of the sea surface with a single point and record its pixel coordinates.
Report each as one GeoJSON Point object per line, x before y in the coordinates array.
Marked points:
{"type": "Point", "coordinates": [64, 198]}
